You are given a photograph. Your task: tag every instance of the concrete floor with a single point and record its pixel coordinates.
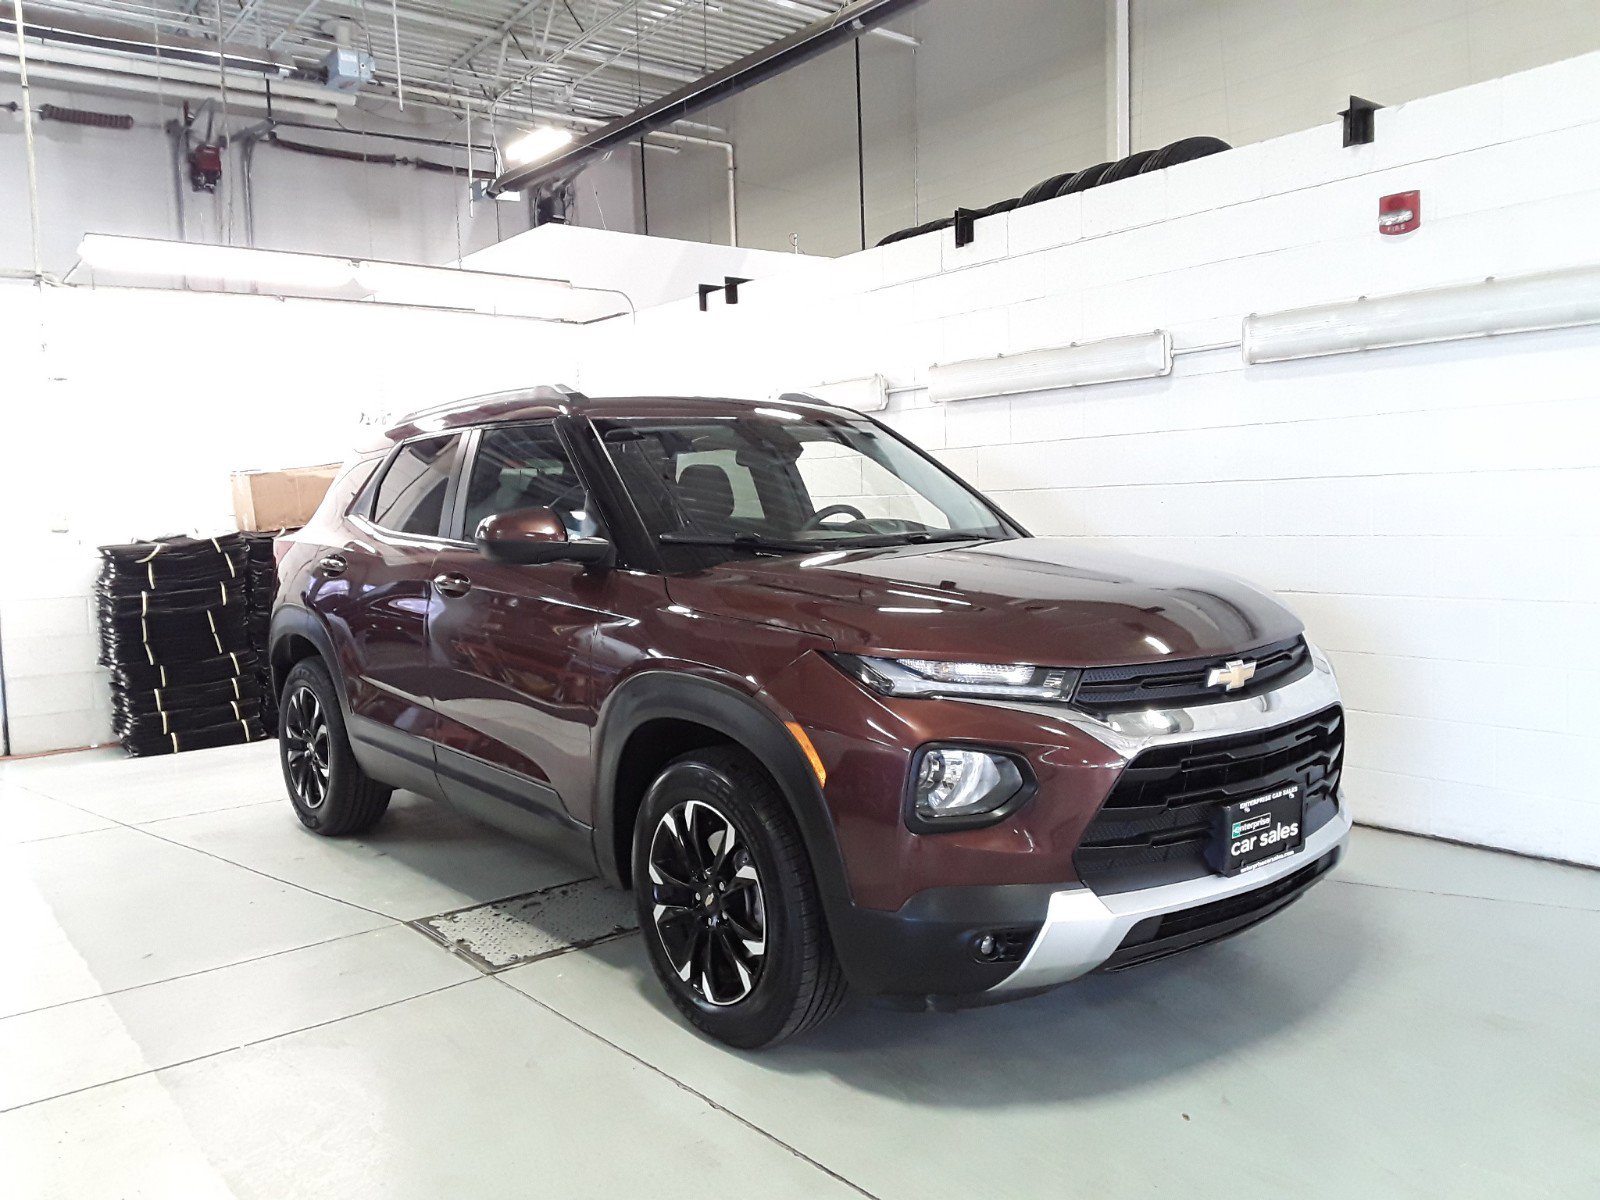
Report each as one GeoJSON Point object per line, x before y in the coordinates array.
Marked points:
{"type": "Point", "coordinates": [201, 999]}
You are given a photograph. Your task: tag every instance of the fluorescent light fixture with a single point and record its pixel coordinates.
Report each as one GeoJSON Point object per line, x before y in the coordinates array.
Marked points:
{"type": "Point", "coordinates": [448, 287]}
{"type": "Point", "coordinates": [537, 144]}
{"type": "Point", "coordinates": [1520, 304]}
{"type": "Point", "coordinates": [235, 264]}
{"type": "Point", "coordinates": [1110, 360]}
{"type": "Point", "coordinates": [869, 394]}
{"type": "Point", "coordinates": [196, 266]}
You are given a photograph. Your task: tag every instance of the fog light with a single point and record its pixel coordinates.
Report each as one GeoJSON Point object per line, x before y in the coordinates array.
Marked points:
{"type": "Point", "coordinates": [1004, 945]}
{"type": "Point", "coordinates": [955, 787]}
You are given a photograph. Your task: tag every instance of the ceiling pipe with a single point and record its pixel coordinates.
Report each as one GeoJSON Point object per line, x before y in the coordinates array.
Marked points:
{"type": "Point", "coordinates": [102, 81]}
{"type": "Point", "coordinates": [771, 60]}
{"type": "Point", "coordinates": [174, 76]}
{"type": "Point", "coordinates": [55, 27]}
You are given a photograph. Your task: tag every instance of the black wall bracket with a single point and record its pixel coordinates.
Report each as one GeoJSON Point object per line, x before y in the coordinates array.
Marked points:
{"type": "Point", "coordinates": [1359, 125]}
{"type": "Point", "coordinates": [729, 287]}
{"type": "Point", "coordinates": [963, 225]}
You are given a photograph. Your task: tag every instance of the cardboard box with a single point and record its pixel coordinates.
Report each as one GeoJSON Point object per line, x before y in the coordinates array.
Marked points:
{"type": "Point", "coordinates": [264, 501]}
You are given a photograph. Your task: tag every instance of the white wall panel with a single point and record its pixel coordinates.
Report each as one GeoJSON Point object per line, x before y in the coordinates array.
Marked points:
{"type": "Point", "coordinates": [136, 406]}
{"type": "Point", "coordinates": [1428, 511]}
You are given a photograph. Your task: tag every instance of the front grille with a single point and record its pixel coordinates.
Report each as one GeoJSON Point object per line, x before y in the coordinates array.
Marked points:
{"type": "Point", "coordinates": [1171, 684]}
{"type": "Point", "coordinates": [1155, 824]}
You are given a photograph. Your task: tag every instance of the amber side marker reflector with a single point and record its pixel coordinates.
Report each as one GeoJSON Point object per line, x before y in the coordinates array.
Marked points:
{"type": "Point", "coordinates": [799, 735]}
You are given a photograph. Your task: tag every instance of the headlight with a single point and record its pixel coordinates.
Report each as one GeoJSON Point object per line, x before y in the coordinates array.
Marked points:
{"type": "Point", "coordinates": [933, 677]}
{"type": "Point", "coordinates": [958, 787]}
{"type": "Point", "coordinates": [1319, 659]}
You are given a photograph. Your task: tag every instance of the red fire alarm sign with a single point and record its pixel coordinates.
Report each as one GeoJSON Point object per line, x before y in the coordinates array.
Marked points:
{"type": "Point", "coordinates": [1399, 213]}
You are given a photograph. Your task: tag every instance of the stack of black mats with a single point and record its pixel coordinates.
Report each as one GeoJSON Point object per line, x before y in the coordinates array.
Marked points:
{"type": "Point", "coordinates": [261, 587]}
{"type": "Point", "coordinates": [175, 634]}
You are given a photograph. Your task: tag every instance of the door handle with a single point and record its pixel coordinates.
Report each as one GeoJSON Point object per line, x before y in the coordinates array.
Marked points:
{"type": "Point", "coordinates": [450, 584]}
{"type": "Point", "coordinates": [333, 564]}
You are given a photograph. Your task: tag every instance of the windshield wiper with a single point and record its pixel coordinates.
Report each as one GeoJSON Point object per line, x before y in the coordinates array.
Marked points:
{"type": "Point", "coordinates": [740, 541]}
{"type": "Point", "coordinates": [761, 544]}
{"type": "Point", "coordinates": [868, 541]}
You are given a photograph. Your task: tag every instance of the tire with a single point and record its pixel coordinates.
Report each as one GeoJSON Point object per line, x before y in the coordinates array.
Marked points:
{"type": "Point", "coordinates": [1084, 179]}
{"type": "Point", "coordinates": [1045, 189]}
{"type": "Point", "coordinates": [330, 792]}
{"type": "Point", "coordinates": [1182, 151]}
{"type": "Point", "coordinates": [1123, 168]}
{"type": "Point", "coordinates": [700, 936]}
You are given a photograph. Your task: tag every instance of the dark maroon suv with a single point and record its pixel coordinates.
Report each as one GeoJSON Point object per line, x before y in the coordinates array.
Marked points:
{"type": "Point", "coordinates": [834, 717]}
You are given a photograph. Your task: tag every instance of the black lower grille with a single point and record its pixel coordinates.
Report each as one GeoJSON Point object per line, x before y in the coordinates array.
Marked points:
{"type": "Point", "coordinates": [1166, 684]}
{"type": "Point", "coordinates": [1155, 824]}
{"type": "Point", "coordinates": [1159, 937]}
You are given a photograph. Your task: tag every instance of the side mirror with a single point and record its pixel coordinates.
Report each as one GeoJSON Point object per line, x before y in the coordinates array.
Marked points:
{"type": "Point", "coordinates": [535, 535]}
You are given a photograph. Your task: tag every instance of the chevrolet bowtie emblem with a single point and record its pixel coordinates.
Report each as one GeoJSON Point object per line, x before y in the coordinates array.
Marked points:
{"type": "Point", "coordinates": [1233, 676]}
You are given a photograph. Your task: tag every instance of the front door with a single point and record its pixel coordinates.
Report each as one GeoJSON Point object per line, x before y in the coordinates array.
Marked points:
{"type": "Point", "coordinates": [510, 644]}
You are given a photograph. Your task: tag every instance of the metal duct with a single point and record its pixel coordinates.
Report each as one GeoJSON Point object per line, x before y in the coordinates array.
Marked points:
{"type": "Point", "coordinates": [830, 31]}
{"type": "Point", "coordinates": [49, 26]}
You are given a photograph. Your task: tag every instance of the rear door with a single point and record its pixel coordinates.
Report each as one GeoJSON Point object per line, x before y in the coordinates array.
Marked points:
{"type": "Point", "coordinates": [388, 571]}
{"type": "Point", "coordinates": [511, 644]}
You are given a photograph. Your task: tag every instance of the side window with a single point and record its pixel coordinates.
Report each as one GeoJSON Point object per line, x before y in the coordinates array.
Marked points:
{"type": "Point", "coordinates": [526, 466]}
{"type": "Point", "coordinates": [410, 497]}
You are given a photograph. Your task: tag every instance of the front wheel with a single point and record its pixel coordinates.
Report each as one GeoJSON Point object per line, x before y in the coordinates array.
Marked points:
{"type": "Point", "coordinates": [728, 905]}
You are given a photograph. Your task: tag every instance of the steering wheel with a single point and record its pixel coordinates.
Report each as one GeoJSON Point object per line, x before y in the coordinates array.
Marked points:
{"type": "Point", "coordinates": [833, 510]}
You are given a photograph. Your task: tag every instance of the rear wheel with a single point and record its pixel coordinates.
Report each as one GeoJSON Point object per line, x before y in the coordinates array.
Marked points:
{"type": "Point", "coordinates": [728, 905]}
{"type": "Point", "coordinates": [330, 792]}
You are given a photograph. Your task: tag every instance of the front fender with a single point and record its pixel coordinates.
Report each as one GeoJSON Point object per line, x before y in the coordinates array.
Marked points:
{"type": "Point", "coordinates": [738, 716]}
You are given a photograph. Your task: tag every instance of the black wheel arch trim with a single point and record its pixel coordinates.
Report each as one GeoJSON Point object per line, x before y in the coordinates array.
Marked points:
{"type": "Point", "coordinates": [676, 695]}
{"type": "Point", "coordinates": [921, 949]}
{"type": "Point", "coordinates": [298, 622]}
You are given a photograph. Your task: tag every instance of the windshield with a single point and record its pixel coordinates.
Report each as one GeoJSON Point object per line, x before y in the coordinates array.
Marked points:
{"type": "Point", "coordinates": [779, 482]}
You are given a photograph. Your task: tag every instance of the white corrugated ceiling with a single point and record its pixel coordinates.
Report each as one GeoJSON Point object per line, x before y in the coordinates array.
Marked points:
{"type": "Point", "coordinates": [588, 59]}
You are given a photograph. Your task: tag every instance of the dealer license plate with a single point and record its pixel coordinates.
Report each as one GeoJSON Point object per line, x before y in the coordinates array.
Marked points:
{"type": "Point", "coordinates": [1254, 832]}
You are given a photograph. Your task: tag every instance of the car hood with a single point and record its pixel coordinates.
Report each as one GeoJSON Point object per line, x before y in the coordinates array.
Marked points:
{"type": "Point", "coordinates": [1049, 601]}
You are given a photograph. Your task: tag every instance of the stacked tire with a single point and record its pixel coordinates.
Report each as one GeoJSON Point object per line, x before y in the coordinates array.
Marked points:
{"type": "Point", "coordinates": [175, 636]}
{"type": "Point", "coordinates": [1067, 183]}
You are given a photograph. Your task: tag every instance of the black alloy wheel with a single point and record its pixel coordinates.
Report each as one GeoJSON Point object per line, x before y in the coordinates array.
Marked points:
{"type": "Point", "coordinates": [732, 918]}
{"type": "Point", "coordinates": [305, 747]}
{"type": "Point", "coordinates": [707, 902]}
{"type": "Point", "coordinates": [330, 792]}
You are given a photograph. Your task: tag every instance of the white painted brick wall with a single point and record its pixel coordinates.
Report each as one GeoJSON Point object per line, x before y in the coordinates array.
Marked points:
{"type": "Point", "coordinates": [127, 438]}
{"type": "Point", "coordinates": [1430, 512]}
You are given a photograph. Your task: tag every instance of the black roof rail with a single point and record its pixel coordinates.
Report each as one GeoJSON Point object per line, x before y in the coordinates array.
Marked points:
{"type": "Point", "coordinates": [553, 393]}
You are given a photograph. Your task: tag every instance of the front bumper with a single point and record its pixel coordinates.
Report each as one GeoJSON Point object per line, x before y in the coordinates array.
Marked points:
{"type": "Point", "coordinates": [1083, 931]}
{"type": "Point", "coordinates": [1054, 932]}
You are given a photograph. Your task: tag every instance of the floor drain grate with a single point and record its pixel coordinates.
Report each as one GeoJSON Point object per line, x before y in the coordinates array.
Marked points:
{"type": "Point", "coordinates": [505, 933]}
